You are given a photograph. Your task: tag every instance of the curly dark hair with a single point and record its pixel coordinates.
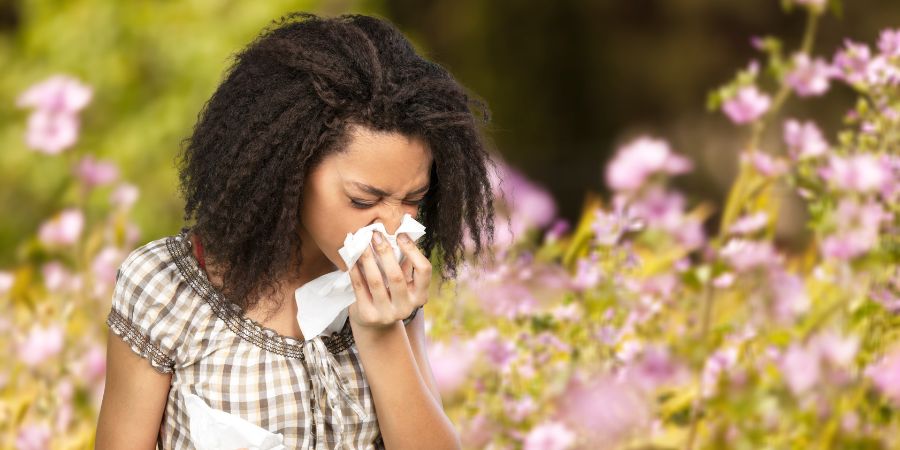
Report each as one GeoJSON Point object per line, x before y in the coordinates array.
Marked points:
{"type": "Point", "coordinates": [286, 102]}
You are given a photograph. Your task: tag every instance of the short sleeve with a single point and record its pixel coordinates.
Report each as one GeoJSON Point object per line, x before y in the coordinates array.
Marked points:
{"type": "Point", "coordinates": [146, 312]}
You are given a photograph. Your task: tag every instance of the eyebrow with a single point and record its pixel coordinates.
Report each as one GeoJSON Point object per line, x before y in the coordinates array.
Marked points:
{"type": "Point", "coordinates": [375, 191]}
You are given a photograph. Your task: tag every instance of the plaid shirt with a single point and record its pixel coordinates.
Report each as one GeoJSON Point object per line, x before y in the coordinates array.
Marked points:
{"type": "Point", "coordinates": [165, 307]}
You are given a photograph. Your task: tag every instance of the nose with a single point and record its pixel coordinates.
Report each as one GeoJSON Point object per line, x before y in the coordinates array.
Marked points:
{"type": "Point", "coordinates": [390, 216]}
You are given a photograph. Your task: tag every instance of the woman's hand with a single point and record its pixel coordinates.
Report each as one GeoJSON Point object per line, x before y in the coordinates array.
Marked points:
{"type": "Point", "coordinates": [383, 300]}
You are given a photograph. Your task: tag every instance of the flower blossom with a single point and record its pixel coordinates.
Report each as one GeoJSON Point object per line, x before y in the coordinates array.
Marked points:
{"type": "Point", "coordinates": [747, 105]}
{"type": "Point", "coordinates": [809, 77]}
{"type": "Point", "coordinates": [638, 160]}
{"type": "Point", "coordinates": [804, 139]}
{"type": "Point", "coordinates": [40, 344]}
{"type": "Point", "coordinates": [549, 435]}
{"type": "Point", "coordinates": [53, 125]}
{"type": "Point", "coordinates": [858, 225]}
{"type": "Point", "coordinates": [94, 173]}
{"type": "Point", "coordinates": [886, 376]}
{"type": "Point", "coordinates": [858, 173]}
{"type": "Point", "coordinates": [62, 229]}
{"type": "Point", "coordinates": [889, 43]}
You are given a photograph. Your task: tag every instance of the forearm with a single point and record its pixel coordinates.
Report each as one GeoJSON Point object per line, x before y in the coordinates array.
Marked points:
{"type": "Point", "coordinates": [408, 413]}
{"type": "Point", "coordinates": [417, 343]}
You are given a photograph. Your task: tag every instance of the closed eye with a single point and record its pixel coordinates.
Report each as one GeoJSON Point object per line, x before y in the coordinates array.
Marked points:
{"type": "Point", "coordinates": [364, 205]}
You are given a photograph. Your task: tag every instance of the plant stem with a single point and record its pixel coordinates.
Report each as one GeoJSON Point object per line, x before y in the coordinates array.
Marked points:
{"type": "Point", "coordinates": [704, 331]}
{"type": "Point", "coordinates": [737, 196]}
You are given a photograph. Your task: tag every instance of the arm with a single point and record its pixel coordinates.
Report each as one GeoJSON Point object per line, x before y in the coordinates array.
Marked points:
{"type": "Point", "coordinates": [134, 399]}
{"type": "Point", "coordinates": [409, 414]}
{"type": "Point", "coordinates": [415, 331]}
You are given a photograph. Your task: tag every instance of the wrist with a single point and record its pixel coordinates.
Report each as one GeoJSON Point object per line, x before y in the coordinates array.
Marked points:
{"type": "Point", "coordinates": [375, 333]}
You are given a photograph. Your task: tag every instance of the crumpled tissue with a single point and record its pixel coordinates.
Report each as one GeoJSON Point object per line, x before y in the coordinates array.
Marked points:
{"type": "Point", "coordinates": [212, 429]}
{"type": "Point", "coordinates": [322, 304]}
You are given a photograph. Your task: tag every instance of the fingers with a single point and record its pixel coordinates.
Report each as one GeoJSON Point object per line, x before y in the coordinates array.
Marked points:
{"type": "Point", "coordinates": [420, 271]}
{"type": "Point", "coordinates": [359, 284]}
{"type": "Point", "coordinates": [407, 268]}
{"type": "Point", "coordinates": [391, 289]}
{"type": "Point", "coordinates": [374, 280]}
{"type": "Point", "coordinates": [363, 296]}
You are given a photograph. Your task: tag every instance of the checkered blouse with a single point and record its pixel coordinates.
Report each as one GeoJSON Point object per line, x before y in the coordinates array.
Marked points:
{"type": "Point", "coordinates": [314, 394]}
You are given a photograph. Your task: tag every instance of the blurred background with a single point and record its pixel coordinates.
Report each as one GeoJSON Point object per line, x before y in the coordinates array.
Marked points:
{"type": "Point", "coordinates": [586, 308]}
{"type": "Point", "coordinates": [567, 81]}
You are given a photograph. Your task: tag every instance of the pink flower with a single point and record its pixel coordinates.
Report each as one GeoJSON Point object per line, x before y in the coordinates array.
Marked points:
{"type": "Point", "coordinates": [124, 196]}
{"type": "Point", "coordinates": [609, 226]}
{"type": "Point", "coordinates": [800, 368]}
{"type": "Point", "coordinates": [549, 435]}
{"type": "Point", "coordinates": [888, 293]}
{"type": "Point", "coordinates": [722, 360]}
{"type": "Point", "coordinates": [571, 312]}
{"type": "Point", "coordinates": [588, 274]}
{"type": "Point", "coordinates": [804, 140]}
{"type": "Point", "coordinates": [660, 208]}
{"type": "Point", "coordinates": [889, 42]}
{"type": "Point", "coordinates": [641, 158]}
{"type": "Point", "coordinates": [826, 355]}
{"type": "Point", "coordinates": [65, 412]}
{"type": "Point", "coordinates": [890, 191]}
{"type": "Point", "coordinates": [506, 299]}
{"type": "Point", "coordinates": [790, 295]}
{"type": "Point", "coordinates": [7, 279]}
{"type": "Point", "coordinates": [527, 201]}
{"type": "Point", "coordinates": [852, 62]}
{"type": "Point", "coordinates": [747, 105]}
{"type": "Point", "coordinates": [558, 228]}
{"type": "Point", "coordinates": [881, 72]}
{"type": "Point", "coordinates": [478, 431]}
{"type": "Point", "coordinates": [59, 93]}
{"type": "Point", "coordinates": [41, 344]}
{"type": "Point", "coordinates": [860, 173]}
{"type": "Point", "coordinates": [50, 132]}
{"type": "Point", "coordinates": [886, 376]}
{"type": "Point", "coordinates": [450, 362]}
{"type": "Point", "coordinates": [94, 173]}
{"type": "Point", "coordinates": [749, 224]}
{"type": "Point", "coordinates": [520, 409]}
{"type": "Point", "coordinates": [690, 235]}
{"type": "Point", "coordinates": [498, 351]}
{"type": "Point", "coordinates": [57, 277]}
{"type": "Point", "coordinates": [765, 164]}
{"type": "Point", "coordinates": [835, 349]}
{"type": "Point", "coordinates": [857, 231]}
{"type": "Point", "coordinates": [723, 281]}
{"type": "Point", "coordinates": [656, 368]}
{"type": "Point", "coordinates": [105, 265]}
{"type": "Point", "coordinates": [62, 229]}
{"type": "Point", "coordinates": [93, 363]}
{"type": "Point", "coordinates": [605, 409]}
{"type": "Point", "coordinates": [745, 254]}
{"type": "Point", "coordinates": [809, 77]}
{"type": "Point", "coordinates": [53, 125]}
{"type": "Point", "coordinates": [33, 437]}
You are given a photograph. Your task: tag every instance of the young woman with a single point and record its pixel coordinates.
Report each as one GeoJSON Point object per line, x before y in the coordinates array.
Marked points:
{"type": "Point", "coordinates": [321, 126]}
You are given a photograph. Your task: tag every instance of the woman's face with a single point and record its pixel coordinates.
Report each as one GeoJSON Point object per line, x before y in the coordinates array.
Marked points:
{"type": "Point", "coordinates": [379, 177]}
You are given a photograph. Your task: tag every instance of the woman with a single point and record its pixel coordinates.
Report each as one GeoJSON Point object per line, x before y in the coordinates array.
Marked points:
{"type": "Point", "coordinates": [321, 126]}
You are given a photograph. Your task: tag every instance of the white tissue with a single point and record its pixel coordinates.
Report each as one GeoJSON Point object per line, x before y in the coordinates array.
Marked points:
{"type": "Point", "coordinates": [322, 303]}
{"type": "Point", "coordinates": [212, 429]}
